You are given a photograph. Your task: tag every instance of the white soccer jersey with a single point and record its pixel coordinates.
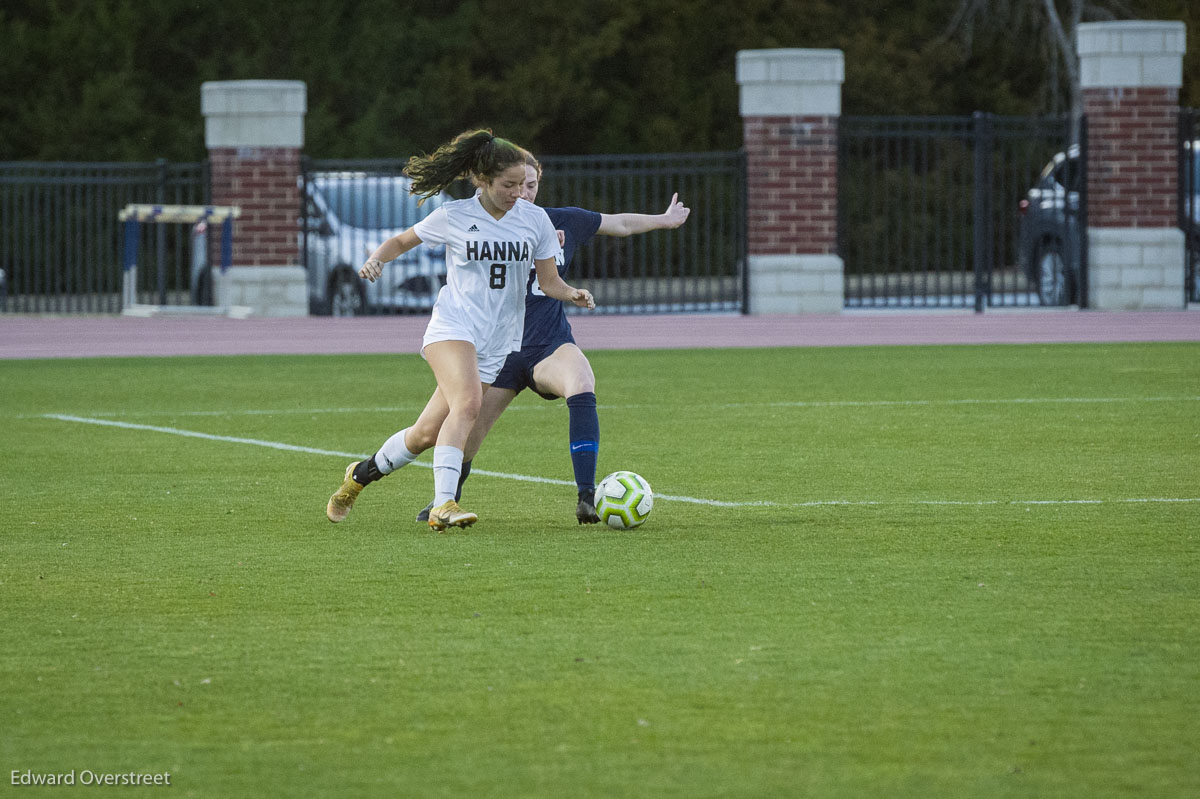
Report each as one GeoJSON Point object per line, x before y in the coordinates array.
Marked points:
{"type": "Point", "coordinates": [487, 265]}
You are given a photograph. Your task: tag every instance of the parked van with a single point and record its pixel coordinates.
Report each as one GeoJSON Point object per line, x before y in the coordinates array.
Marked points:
{"type": "Point", "coordinates": [348, 215]}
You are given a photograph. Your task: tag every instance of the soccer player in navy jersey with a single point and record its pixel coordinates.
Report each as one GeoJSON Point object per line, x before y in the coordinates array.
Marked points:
{"type": "Point", "coordinates": [494, 241]}
{"type": "Point", "coordinates": [549, 361]}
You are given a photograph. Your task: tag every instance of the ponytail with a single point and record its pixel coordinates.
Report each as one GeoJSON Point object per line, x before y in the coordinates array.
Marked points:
{"type": "Point", "coordinates": [475, 153]}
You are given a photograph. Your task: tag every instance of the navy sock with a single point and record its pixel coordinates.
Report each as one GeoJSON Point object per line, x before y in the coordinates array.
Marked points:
{"type": "Point", "coordinates": [584, 427]}
{"type": "Point", "coordinates": [462, 478]}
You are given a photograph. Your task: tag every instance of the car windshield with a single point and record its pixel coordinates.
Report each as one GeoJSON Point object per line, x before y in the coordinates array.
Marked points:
{"type": "Point", "coordinates": [372, 203]}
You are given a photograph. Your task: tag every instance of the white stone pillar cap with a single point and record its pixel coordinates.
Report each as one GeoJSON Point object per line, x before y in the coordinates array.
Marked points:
{"type": "Point", "coordinates": [1131, 54]}
{"type": "Point", "coordinates": [790, 82]}
{"type": "Point", "coordinates": [253, 113]}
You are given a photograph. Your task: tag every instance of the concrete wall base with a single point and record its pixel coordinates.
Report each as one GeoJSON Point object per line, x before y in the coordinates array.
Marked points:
{"type": "Point", "coordinates": [267, 290]}
{"type": "Point", "coordinates": [1135, 269]}
{"type": "Point", "coordinates": [791, 284]}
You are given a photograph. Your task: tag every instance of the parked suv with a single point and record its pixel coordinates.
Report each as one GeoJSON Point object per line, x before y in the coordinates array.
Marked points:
{"type": "Point", "coordinates": [1049, 237]}
{"type": "Point", "coordinates": [1049, 242]}
{"type": "Point", "coordinates": [348, 215]}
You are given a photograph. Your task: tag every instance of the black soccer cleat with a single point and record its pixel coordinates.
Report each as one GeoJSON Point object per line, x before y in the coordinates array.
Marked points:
{"type": "Point", "coordinates": [585, 511]}
{"type": "Point", "coordinates": [423, 514]}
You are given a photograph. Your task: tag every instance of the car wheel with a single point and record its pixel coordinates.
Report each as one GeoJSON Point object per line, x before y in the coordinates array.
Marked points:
{"type": "Point", "coordinates": [346, 296]}
{"type": "Point", "coordinates": [1053, 280]}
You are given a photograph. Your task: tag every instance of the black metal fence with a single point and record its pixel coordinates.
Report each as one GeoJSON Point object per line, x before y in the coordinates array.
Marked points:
{"type": "Point", "coordinates": [60, 240]}
{"type": "Point", "coordinates": [930, 212]}
{"type": "Point", "coordinates": [1189, 197]}
{"type": "Point", "coordinates": [352, 205]}
{"type": "Point", "coordinates": [697, 267]}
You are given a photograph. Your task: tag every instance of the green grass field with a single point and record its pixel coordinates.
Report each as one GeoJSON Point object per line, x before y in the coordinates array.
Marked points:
{"type": "Point", "coordinates": [939, 572]}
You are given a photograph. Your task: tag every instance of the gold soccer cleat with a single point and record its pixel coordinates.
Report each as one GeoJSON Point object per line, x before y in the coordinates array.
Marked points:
{"type": "Point", "coordinates": [448, 514]}
{"type": "Point", "coordinates": [343, 499]}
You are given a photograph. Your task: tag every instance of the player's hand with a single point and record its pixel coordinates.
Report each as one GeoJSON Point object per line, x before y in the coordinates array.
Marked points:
{"type": "Point", "coordinates": [583, 298]}
{"type": "Point", "coordinates": [371, 270]}
{"type": "Point", "coordinates": [562, 237]}
{"type": "Point", "coordinates": [676, 213]}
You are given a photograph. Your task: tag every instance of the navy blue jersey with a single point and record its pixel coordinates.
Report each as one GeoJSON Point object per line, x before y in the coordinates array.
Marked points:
{"type": "Point", "coordinates": [545, 317]}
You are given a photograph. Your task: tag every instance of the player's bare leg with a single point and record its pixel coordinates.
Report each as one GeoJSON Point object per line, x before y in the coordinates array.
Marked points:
{"type": "Point", "coordinates": [495, 401]}
{"type": "Point", "coordinates": [398, 451]}
{"type": "Point", "coordinates": [455, 366]}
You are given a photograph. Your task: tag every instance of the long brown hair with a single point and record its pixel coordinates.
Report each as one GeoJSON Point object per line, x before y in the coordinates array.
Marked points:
{"type": "Point", "coordinates": [474, 153]}
{"type": "Point", "coordinates": [530, 160]}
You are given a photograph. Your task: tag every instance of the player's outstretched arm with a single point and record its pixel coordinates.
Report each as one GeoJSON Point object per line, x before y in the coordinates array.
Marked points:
{"type": "Point", "coordinates": [629, 224]}
{"type": "Point", "coordinates": [553, 285]}
{"type": "Point", "coordinates": [392, 248]}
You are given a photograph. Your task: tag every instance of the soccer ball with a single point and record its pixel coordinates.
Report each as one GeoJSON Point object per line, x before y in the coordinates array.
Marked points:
{"type": "Point", "coordinates": [623, 500]}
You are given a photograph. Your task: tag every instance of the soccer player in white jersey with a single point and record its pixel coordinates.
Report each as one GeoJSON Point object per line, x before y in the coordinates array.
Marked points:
{"type": "Point", "coordinates": [549, 361]}
{"type": "Point", "coordinates": [492, 240]}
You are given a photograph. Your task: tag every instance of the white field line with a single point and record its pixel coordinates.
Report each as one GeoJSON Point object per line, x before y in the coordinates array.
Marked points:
{"type": "Point", "coordinates": [670, 497]}
{"type": "Point", "coordinates": [547, 406]}
{"type": "Point", "coordinates": [996, 401]}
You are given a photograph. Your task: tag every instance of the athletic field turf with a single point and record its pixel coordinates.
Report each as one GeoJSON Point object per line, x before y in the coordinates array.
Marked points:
{"type": "Point", "coordinates": [957, 571]}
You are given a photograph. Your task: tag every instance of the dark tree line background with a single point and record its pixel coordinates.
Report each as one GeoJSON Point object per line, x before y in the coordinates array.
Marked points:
{"type": "Point", "coordinates": [119, 80]}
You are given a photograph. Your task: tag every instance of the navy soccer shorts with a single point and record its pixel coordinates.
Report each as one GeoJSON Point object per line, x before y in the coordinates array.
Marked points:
{"type": "Point", "coordinates": [517, 372]}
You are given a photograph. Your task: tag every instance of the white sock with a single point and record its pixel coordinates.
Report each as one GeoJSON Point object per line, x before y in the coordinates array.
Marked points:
{"type": "Point", "coordinates": [447, 465]}
{"type": "Point", "coordinates": [393, 454]}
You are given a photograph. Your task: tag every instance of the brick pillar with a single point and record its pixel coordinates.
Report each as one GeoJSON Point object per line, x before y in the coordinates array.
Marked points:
{"type": "Point", "coordinates": [1130, 74]}
{"type": "Point", "coordinates": [790, 103]}
{"type": "Point", "coordinates": [254, 131]}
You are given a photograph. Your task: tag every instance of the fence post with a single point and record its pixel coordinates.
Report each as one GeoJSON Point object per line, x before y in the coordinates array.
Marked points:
{"type": "Point", "coordinates": [1130, 73]}
{"type": "Point", "coordinates": [984, 148]}
{"type": "Point", "coordinates": [160, 232]}
{"type": "Point", "coordinates": [254, 130]}
{"type": "Point", "coordinates": [790, 101]}
{"type": "Point", "coordinates": [1080, 253]}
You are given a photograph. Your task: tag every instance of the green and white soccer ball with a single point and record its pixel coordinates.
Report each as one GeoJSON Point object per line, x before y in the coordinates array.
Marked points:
{"type": "Point", "coordinates": [623, 500]}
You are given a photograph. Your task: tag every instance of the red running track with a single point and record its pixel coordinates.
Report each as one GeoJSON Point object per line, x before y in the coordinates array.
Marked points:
{"type": "Point", "coordinates": [36, 336]}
